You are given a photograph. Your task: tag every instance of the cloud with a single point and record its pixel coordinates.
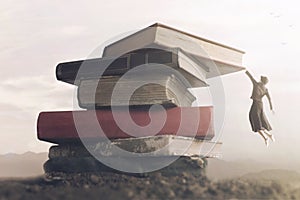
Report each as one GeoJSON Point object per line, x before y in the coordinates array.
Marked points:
{"type": "Point", "coordinates": [36, 93]}
{"type": "Point", "coordinates": [18, 131]}
{"type": "Point", "coordinates": [23, 99]}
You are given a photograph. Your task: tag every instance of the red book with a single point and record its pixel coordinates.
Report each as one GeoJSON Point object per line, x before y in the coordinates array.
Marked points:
{"type": "Point", "coordinates": [67, 126]}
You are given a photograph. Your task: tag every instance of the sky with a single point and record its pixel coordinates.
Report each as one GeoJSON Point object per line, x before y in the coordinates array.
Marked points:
{"type": "Point", "coordinates": [36, 35]}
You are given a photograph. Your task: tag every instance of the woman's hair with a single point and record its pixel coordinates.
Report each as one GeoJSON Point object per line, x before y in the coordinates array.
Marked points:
{"type": "Point", "coordinates": [264, 79]}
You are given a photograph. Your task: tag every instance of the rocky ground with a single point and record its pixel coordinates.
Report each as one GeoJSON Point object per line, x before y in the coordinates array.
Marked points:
{"type": "Point", "coordinates": [108, 185]}
{"type": "Point", "coordinates": [184, 179]}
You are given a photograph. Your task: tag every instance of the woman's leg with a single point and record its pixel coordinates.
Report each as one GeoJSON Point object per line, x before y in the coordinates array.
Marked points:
{"type": "Point", "coordinates": [261, 132]}
{"type": "Point", "coordinates": [271, 136]}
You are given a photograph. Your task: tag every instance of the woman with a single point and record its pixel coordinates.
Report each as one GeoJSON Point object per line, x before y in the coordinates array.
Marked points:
{"type": "Point", "coordinates": [258, 120]}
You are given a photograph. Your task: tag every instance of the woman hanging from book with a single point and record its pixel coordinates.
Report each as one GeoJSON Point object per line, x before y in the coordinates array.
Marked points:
{"type": "Point", "coordinates": [258, 120]}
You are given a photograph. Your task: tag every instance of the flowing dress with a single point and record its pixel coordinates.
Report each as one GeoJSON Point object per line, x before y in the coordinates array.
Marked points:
{"type": "Point", "coordinates": [257, 117]}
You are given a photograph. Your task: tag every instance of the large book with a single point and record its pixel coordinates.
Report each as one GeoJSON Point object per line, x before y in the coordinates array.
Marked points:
{"type": "Point", "coordinates": [133, 165]}
{"type": "Point", "coordinates": [172, 61]}
{"type": "Point", "coordinates": [218, 58]}
{"type": "Point", "coordinates": [71, 126]}
{"type": "Point", "coordinates": [163, 145]}
{"type": "Point", "coordinates": [134, 91]}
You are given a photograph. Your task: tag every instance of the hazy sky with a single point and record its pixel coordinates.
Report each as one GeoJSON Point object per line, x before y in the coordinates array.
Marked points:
{"type": "Point", "coordinates": [36, 35]}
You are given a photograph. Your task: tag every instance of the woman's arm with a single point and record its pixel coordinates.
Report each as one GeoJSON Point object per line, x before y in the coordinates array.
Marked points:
{"type": "Point", "coordinates": [270, 102]}
{"type": "Point", "coordinates": [251, 77]}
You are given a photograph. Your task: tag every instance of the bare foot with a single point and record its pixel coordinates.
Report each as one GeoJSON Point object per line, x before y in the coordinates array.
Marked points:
{"type": "Point", "coordinates": [272, 137]}
{"type": "Point", "coordinates": [267, 142]}
{"type": "Point", "coordinates": [269, 135]}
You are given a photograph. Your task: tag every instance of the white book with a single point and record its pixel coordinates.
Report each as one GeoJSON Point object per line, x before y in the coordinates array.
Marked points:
{"type": "Point", "coordinates": [163, 90]}
{"type": "Point", "coordinates": [218, 58]}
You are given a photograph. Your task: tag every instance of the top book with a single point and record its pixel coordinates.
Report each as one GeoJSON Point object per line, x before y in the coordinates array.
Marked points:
{"type": "Point", "coordinates": [218, 58]}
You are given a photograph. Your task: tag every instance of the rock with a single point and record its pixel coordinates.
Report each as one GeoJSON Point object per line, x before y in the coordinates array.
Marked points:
{"type": "Point", "coordinates": [171, 193]}
{"type": "Point", "coordinates": [94, 179]}
{"type": "Point", "coordinates": [147, 183]}
{"type": "Point", "coordinates": [163, 182]}
{"type": "Point", "coordinates": [33, 188]}
{"type": "Point", "coordinates": [86, 186]}
{"type": "Point", "coordinates": [130, 193]}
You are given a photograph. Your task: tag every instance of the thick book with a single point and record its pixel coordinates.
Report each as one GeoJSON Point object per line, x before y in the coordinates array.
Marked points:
{"type": "Point", "coordinates": [70, 126]}
{"type": "Point", "coordinates": [171, 61]}
{"type": "Point", "coordinates": [134, 91]}
{"type": "Point", "coordinates": [133, 165]}
{"type": "Point", "coordinates": [163, 145]}
{"type": "Point", "coordinates": [207, 53]}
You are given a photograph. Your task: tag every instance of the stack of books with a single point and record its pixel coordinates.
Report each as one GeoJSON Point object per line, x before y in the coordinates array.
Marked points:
{"type": "Point", "coordinates": [155, 66]}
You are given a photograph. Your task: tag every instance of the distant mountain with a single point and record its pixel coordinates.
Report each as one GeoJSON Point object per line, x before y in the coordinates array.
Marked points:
{"type": "Point", "coordinates": [220, 169]}
{"type": "Point", "coordinates": [252, 170]}
{"type": "Point", "coordinates": [286, 176]}
{"type": "Point", "coordinates": [22, 165]}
